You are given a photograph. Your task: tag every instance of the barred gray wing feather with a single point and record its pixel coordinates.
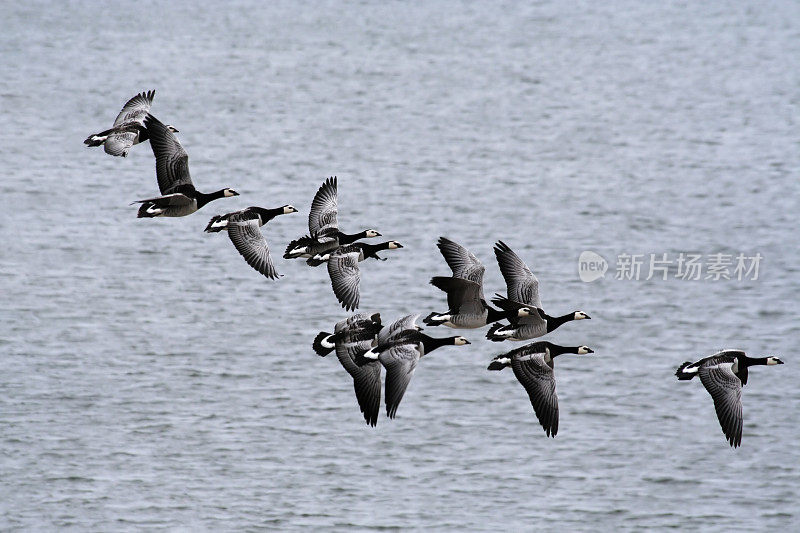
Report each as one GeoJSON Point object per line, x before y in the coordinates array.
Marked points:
{"type": "Point", "coordinates": [461, 261]}
{"type": "Point", "coordinates": [322, 217]}
{"type": "Point", "coordinates": [119, 143]}
{"type": "Point", "coordinates": [400, 363]}
{"type": "Point", "coordinates": [463, 296]}
{"type": "Point", "coordinates": [726, 390]}
{"type": "Point", "coordinates": [135, 109]}
{"type": "Point", "coordinates": [349, 322]}
{"type": "Point", "coordinates": [366, 378]}
{"type": "Point", "coordinates": [398, 326]}
{"type": "Point", "coordinates": [521, 284]}
{"type": "Point", "coordinates": [246, 236]}
{"type": "Point", "coordinates": [345, 278]}
{"type": "Point", "coordinates": [540, 384]}
{"type": "Point", "coordinates": [356, 328]}
{"type": "Point", "coordinates": [172, 161]}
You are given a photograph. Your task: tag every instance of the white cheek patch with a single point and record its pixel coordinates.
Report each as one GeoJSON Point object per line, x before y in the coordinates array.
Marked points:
{"type": "Point", "coordinates": [504, 361]}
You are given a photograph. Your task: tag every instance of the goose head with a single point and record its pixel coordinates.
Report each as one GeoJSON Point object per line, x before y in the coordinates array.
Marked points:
{"type": "Point", "coordinates": [394, 245]}
{"type": "Point", "coordinates": [227, 193]}
{"type": "Point", "coordinates": [370, 233]}
{"type": "Point", "coordinates": [580, 315]}
{"type": "Point", "coordinates": [289, 209]}
{"type": "Point", "coordinates": [460, 341]}
{"type": "Point", "coordinates": [772, 360]}
{"type": "Point", "coordinates": [172, 128]}
{"type": "Point", "coordinates": [526, 311]}
{"type": "Point", "coordinates": [583, 350]}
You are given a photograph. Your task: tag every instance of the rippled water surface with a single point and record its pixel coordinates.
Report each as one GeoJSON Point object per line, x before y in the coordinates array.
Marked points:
{"type": "Point", "coordinates": [151, 379]}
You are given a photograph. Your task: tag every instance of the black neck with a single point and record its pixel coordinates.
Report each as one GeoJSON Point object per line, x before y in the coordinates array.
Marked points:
{"type": "Point", "coordinates": [554, 322]}
{"type": "Point", "coordinates": [431, 343]}
{"type": "Point", "coordinates": [203, 198]}
{"type": "Point", "coordinates": [555, 349]}
{"type": "Point", "coordinates": [345, 238]}
{"type": "Point", "coordinates": [267, 214]}
{"type": "Point", "coordinates": [371, 249]}
{"type": "Point", "coordinates": [753, 361]}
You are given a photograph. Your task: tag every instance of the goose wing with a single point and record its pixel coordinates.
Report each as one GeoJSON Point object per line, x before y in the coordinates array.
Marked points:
{"type": "Point", "coordinates": [540, 383]}
{"type": "Point", "coordinates": [172, 161]}
{"type": "Point", "coordinates": [168, 200]}
{"type": "Point", "coordinates": [463, 296]}
{"type": "Point", "coordinates": [322, 219]}
{"type": "Point", "coordinates": [135, 109]}
{"type": "Point", "coordinates": [366, 378]}
{"type": "Point", "coordinates": [350, 322]}
{"type": "Point", "coordinates": [118, 143]}
{"type": "Point", "coordinates": [345, 278]}
{"type": "Point", "coordinates": [726, 390]}
{"type": "Point", "coordinates": [461, 261]}
{"type": "Point", "coordinates": [246, 237]}
{"type": "Point", "coordinates": [505, 304]}
{"type": "Point", "coordinates": [398, 326]}
{"type": "Point", "coordinates": [400, 362]}
{"type": "Point", "coordinates": [357, 328]}
{"type": "Point", "coordinates": [521, 284]}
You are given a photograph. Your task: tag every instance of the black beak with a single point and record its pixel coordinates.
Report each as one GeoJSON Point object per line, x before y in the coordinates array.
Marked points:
{"type": "Point", "coordinates": [590, 350]}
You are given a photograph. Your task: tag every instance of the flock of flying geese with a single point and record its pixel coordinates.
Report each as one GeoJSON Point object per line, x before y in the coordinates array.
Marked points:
{"type": "Point", "coordinates": [363, 344]}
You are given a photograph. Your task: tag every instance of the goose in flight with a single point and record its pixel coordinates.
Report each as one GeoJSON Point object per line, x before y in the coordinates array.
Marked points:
{"type": "Point", "coordinates": [533, 366]}
{"type": "Point", "coordinates": [128, 128]}
{"type": "Point", "coordinates": [344, 272]}
{"type": "Point", "coordinates": [523, 290]}
{"type": "Point", "coordinates": [243, 230]}
{"type": "Point", "coordinates": [352, 338]}
{"type": "Point", "coordinates": [723, 375]}
{"type": "Point", "coordinates": [323, 226]}
{"type": "Point", "coordinates": [466, 306]}
{"type": "Point", "coordinates": [365, 251]}
{"type": "Point", "coordinates": [178, 195]}
{"type": "Point", "coordinates": [399, 348]}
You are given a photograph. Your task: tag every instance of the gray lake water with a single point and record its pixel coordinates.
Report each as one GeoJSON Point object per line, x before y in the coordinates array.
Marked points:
{"type": "Point", "coordinates": [152, 380]}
